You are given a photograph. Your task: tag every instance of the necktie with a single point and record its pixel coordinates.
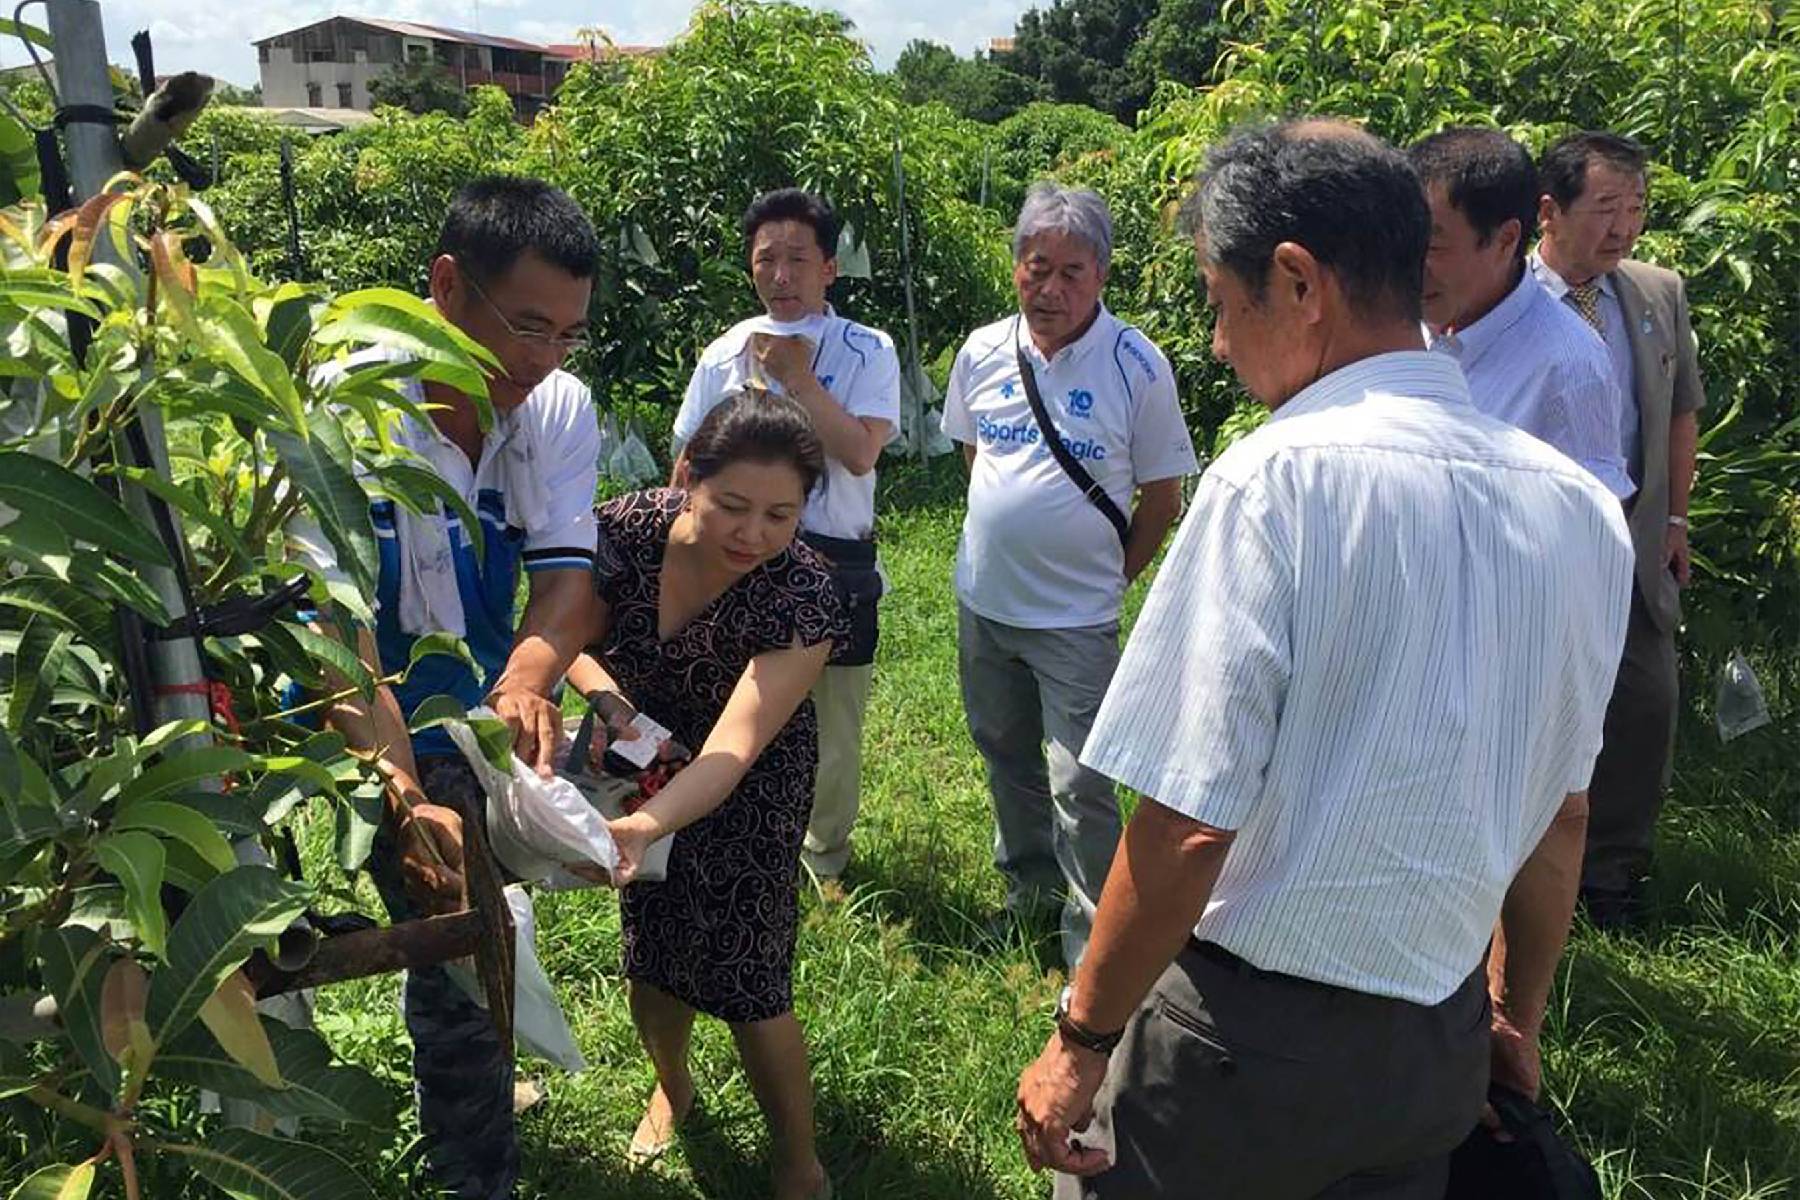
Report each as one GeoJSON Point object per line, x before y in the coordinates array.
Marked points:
{"type": "Point", "coordinates": [1586, 298]}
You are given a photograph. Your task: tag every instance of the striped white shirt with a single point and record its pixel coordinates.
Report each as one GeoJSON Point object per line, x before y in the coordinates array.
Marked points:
{"type": "Point", "coordinates": [1380, 649]}
{"type": "Point", "coordinates": [1535, 364]}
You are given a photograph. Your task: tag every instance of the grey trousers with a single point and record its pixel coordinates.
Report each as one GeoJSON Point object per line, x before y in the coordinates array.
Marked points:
{"type": "Point", "coordinates": [1031, 696]}
{"type": "Point", "coordinates": [1238, 1084]}
{"type": "Point", "coordinates": [462, 1076]}
{"type": "Point", "coordinates": [1633, 769]}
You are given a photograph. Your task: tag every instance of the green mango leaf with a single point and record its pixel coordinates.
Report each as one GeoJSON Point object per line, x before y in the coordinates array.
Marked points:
{"type": "Point", "coordinates": [288, 325]}
{"type": "Point", "coordinates": [136, 860]}
{"type": "Point", "coordinates": [37, 666]}
{"type": "Point", "coordinates": [276, 793]}
{"type": "Point", "coordinates": [28, 295]}
{"type": "Point", "coordinates": [400, 321]}
{"type": "Point", "coordinates": [182, 768]}
{"type": "Point", "coordinates": [65, 604]}
{"type": "Point", "coordinates": [435, 710]}
{"type": "Point", "coordinates": [358, 821]}
{"type": "Point", "coordinates": [440, 643]}
{"type": "Point", "coordinates": [230, 336]}
{"type": "Point", "coordinates": [75, 962]}
{"type": "Point", "coordinates": [320, 466]}
{"type": "Point", "coordinates": [29, 33]}
{"type": "Point", "coordinates": [99, 575]}
{"type": "Point", "coordinates": [182, 824]}
{"type": "Point", "coordinates": [51, 491]}
{"type": "Point", "coordinates": [12, 782]}
{"type": "Point", "coordinates": [60, 1182]}
{"type": "Point", "coordinates": [226, 920]}
{"type": "Point", "coordinates": [252, 1166]}
{"type": "Point", "coordinates": [317, 1089]}
{"type": "Point", "coordinates": [339, 658]}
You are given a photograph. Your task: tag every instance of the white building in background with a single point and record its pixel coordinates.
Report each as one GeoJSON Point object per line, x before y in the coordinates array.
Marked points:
{"type": "Point", "coordinates": [330, 64]}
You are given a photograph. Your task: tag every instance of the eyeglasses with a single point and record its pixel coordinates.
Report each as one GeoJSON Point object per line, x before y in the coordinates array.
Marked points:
{"type": "Point", "coordinates": [532, 337]}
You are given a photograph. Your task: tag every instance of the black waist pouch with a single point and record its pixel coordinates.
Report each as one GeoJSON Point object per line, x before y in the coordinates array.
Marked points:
{"type": "Point", "coordinates": [859, 583]}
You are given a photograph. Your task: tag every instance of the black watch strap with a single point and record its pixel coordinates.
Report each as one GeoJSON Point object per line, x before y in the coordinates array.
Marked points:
{"type": "Point", "coordinates": [1076, 1033]}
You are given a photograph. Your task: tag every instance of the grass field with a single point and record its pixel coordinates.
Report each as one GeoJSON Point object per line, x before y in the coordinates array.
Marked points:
{"type": "Point", "coordinates": [1675, 1053]}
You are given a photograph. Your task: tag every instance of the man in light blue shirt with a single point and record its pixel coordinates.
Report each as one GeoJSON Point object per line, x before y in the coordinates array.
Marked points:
{"type": "Point", "coordinates": [1528, 360]}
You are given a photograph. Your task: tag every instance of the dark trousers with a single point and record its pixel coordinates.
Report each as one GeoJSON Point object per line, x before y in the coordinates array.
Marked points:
{"type": "Point", "coordinates": [463, 1077]}
{"type": "Point", "coordinates": [1239, 1084]}
{"type": "Point", "coordinates": [1626, 794]}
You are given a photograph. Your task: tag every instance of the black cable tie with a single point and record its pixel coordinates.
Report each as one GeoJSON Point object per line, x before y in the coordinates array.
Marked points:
{"type": "Point", "coordinates": [86, 114]}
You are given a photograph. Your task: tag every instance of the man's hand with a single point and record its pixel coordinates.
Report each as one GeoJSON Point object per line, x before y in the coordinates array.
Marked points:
{"type": "Point", "coordinates": [1056, 1095]}
{"type": "Point", "coordinates": [429, 839]}
{"type": "Point", "coordinates": [1676, 555]}
{"type": "Point", "coordinates": [536, 725]}
{"type": "Point", "coordinates": [1517, 1061]}
{"type": "Point", "coordinates": [786, 360]}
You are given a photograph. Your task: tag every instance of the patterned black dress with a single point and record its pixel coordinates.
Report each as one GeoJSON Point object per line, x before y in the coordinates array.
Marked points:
{"type": "Point", "coordinates": [719, 933]}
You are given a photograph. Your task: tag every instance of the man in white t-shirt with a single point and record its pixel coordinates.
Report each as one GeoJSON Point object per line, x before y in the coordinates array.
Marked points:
{"type": "Point", "coordinates": [847, 377]}
{"type": "Point", "coordinates": [1042, 567]}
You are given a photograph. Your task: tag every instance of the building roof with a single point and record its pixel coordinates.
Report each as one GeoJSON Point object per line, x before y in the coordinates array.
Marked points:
{"type": "Point", "coordinates": [315, 120]}
{"type": "Point", "coordinates": [414, 29]}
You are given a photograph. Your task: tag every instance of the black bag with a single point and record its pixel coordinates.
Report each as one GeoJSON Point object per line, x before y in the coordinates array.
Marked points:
{"type": "Point", "coordinates": [1071, 466]}
{"type": "Point", "coordinates": [1535, 1165]}
{"type": "Point", "coordinates": [859, 583]}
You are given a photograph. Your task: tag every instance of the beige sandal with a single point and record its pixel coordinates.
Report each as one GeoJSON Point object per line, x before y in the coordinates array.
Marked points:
{"type": "Point", "coordinates": [645, 1150]}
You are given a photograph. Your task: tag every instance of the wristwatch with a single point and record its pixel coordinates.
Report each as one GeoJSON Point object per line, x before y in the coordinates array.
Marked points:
{"type": "Point", "coordinates": [1077, 1034]}
{"type": "Point", "coordinates": [1678, 521]}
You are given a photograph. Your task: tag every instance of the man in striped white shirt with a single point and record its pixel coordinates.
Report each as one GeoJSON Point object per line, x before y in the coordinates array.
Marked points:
{"type": "Point", "coordinates": [1361, 705]}
{"type": "Point", "coordinates": [1529, 361]}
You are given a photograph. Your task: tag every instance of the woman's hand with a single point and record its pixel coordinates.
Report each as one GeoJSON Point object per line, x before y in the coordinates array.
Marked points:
{"type": "Point", "coordinates": [632, 836]}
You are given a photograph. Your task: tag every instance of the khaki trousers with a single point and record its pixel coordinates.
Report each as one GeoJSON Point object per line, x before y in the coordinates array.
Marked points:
{"type": "Point", "coordinates": [840, 698]}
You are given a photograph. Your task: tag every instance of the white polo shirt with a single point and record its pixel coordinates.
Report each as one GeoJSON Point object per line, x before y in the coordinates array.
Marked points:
{"type": "Point", "coordinates": [1035, 552]}
{"type": "Point", "coordinates": [1380, 649]}
{"type": "Point", "coordinates": [856, 364]}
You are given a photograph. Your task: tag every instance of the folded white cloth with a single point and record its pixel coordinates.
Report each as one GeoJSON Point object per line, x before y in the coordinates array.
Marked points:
{"type": "Point", "coordinates": [429, 597]}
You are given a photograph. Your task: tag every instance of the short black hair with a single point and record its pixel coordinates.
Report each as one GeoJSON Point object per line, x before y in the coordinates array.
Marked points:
{"type": "Point", "coordinates": [1351, 199]}
{"type": "Point", "coordinates": [497, 218]}
{"type": "Point", "coordinates": [1562, 172]}
{"type": "Point", "coordinates": [793, 204]}
{"type": "Point", "coordinates": [753, 425]}
{"type": "Point", "coordinates": [1487, 176]}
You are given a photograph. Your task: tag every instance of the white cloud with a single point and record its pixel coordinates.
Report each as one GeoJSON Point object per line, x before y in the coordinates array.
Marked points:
{"type": "Point", "coordinates": [216, 35]}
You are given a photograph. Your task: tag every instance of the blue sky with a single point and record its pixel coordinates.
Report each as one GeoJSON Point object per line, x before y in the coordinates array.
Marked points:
{"type": "Point", "coordinates": [215, 35]}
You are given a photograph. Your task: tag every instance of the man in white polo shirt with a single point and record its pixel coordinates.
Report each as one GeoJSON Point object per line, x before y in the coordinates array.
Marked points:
{"type": "Point", "coordinates": [1050, 542]}
{"type": "Point", "coordinates": [847, 377]}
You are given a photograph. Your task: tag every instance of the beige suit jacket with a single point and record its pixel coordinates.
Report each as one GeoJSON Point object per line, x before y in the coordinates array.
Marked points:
{"type": "Point", "coordinates": [1666, 367]}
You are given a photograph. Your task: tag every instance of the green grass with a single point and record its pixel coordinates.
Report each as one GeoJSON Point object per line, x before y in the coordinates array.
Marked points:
{"type": "Point", "coordinates": [1675, 1052]}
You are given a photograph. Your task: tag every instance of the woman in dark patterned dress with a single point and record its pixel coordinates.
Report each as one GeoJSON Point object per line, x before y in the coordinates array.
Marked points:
{"type": "Point", "coordinates": [711, 618]}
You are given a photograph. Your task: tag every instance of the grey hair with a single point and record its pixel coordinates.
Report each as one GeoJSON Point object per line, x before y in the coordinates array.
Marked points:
{"type": "Point", "coordinates": [1078, 212]}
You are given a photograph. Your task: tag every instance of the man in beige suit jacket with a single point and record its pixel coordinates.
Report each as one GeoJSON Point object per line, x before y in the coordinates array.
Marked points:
{"type": "Point", "coordinates": [1591, 211]}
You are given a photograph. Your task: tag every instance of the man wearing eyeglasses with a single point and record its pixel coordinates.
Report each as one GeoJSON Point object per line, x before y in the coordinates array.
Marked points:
{"type": "Point", "coordinates": [1591, 211]}
{"type": "Point", "coordinates": [514, 271]}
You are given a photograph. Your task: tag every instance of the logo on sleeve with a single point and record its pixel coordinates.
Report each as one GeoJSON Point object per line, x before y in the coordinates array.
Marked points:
{"type": "Point", "coordinates": [1081, 402]}
{"type": "Point", "coordinates": [825, 381]}
{"type": "Point", "coordinates": [1007, 389]}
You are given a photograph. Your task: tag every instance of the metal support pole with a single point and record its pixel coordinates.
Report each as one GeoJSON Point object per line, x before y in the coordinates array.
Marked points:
{"type": "Point", "coordinates": [93, 159]}
{"type": "Point", "coordinates": [906, 285]}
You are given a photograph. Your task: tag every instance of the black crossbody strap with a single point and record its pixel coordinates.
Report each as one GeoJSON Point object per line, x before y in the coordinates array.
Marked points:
{"type": "Point", "coordinates": [1078, 474]}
